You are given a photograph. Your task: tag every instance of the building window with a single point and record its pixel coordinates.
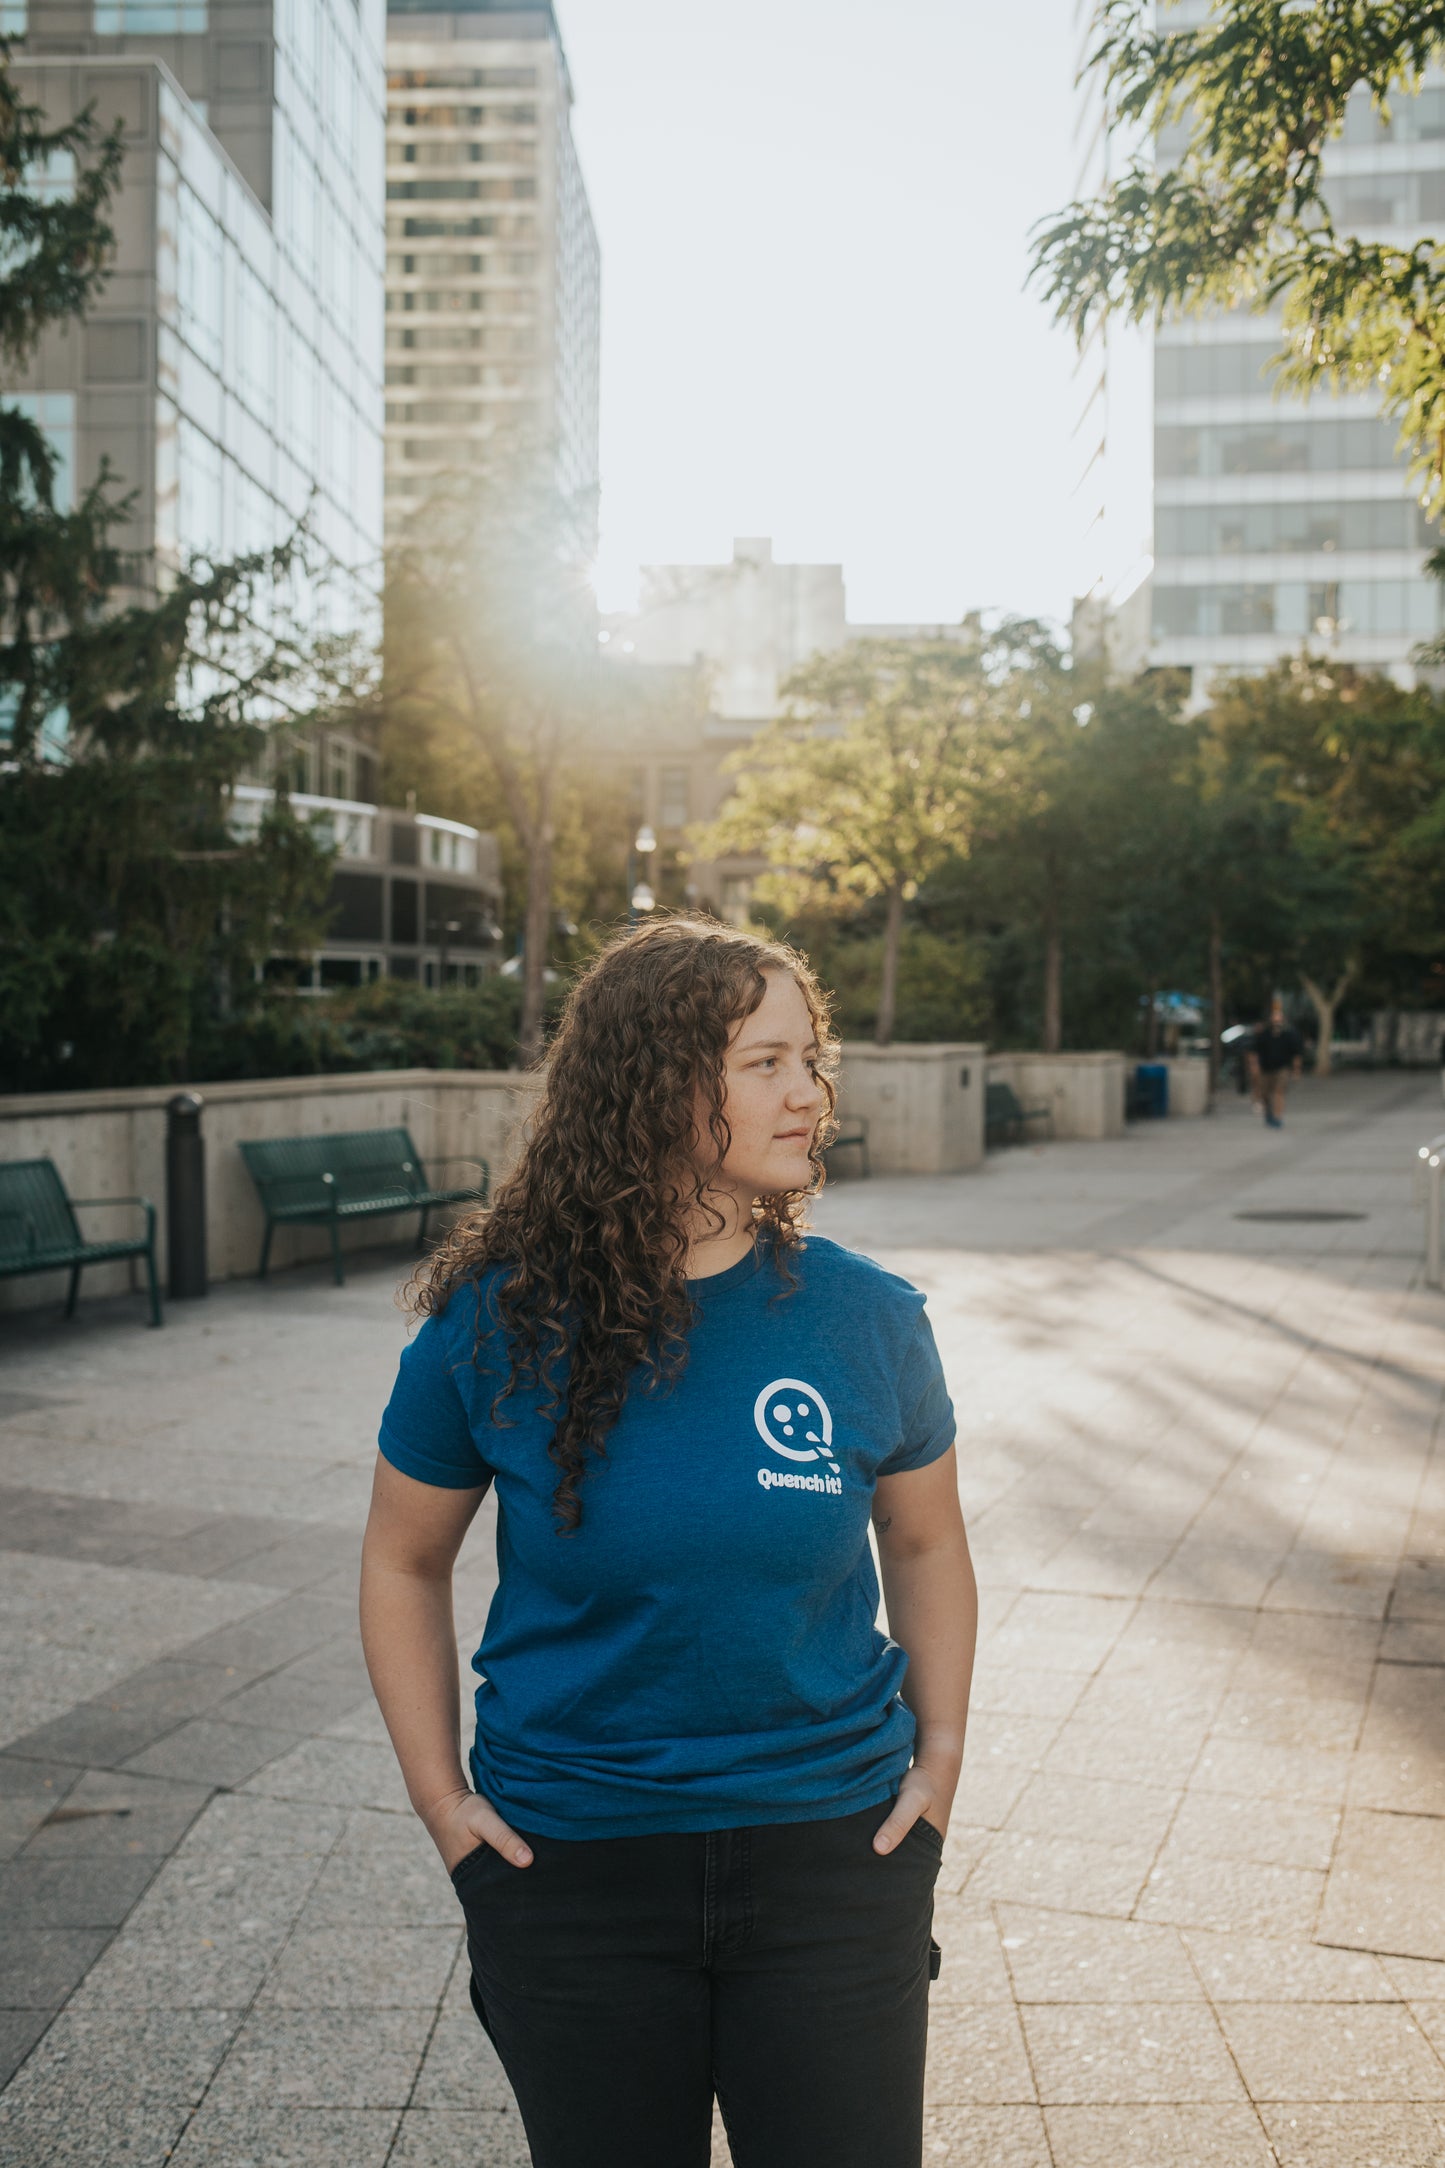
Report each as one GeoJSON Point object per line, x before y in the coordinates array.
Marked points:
{"type": "Point", "coordinates": [1273, 447]}
{"type": "Point", "coordinates": [1227, 530]}
{"type": "Point", "coordinates": [53, 413]}
{"type": "Point", "coordinates": [149, 18]}
{"type": "Point", "coordinates": [1299, 609]}
{"type": "Point", "coordinates": [673, 809]}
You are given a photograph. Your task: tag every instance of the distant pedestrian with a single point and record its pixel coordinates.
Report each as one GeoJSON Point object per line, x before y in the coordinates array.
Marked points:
{"type": "Point", "coordinates": [697, 1840]}
{"type": "Point", "coordinates": [1276, 1053]}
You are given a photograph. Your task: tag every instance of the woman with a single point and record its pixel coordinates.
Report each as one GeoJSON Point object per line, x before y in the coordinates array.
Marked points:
{"type": "Point", "coordinates": [697, 1843]}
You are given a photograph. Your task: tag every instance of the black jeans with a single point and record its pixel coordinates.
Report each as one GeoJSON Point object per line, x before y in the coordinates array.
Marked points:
{"type": "Point", "coordinates": [624, 1980]}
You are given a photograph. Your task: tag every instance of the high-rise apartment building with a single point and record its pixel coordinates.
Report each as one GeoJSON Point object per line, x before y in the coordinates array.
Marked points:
{"type": "Point", "coordinates": [231, 369]}
{"type": "Point", "coordinates": [1272, 522]}
{"type": "Point", "coordinates": [492, 268]}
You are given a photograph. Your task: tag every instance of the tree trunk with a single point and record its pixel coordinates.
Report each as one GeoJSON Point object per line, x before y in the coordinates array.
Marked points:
{"type": "Point", "coordinates": [1053, 986]}
{"type": "Point", "coordinates": [1151, 1025]}
{"type": "Point", "coordinates": [539, 922]}
{"type": "Point", "coordinates": [1325, 1006]}
{"type": "Point", "coordinates": [888, 990]}
{"type": "Point", "coordinates": [1216, 1002]}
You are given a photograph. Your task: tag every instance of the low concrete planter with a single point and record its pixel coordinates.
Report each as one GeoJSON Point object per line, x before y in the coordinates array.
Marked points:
{"type": "Point", "coordinates": [112, 1144]}
{"type": "Point", "coordinates": [1085, 1092]}
{"type": "Point", "coordinates": [1188, 1087]}
{"type": "Point", "coordinates": [923, 1104]}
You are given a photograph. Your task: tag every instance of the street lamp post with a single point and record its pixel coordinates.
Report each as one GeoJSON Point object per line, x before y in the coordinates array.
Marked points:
{"type": "Point", "coordinates": [640, 899]}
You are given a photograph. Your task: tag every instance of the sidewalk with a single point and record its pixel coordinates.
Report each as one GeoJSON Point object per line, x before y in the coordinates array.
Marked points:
{"type": "Point", "coordinates": [1193, 1902]}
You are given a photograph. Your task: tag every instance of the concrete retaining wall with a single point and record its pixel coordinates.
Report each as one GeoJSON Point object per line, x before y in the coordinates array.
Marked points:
{"type": "Point", "coordinates": [112, 1144]}
{"type": "Point", "coordinates": [1084, 1091]}
{"type": "Point", "coordinates": [1188, 1087]}
{"type": "Point", "coordinates": [923, 1105]}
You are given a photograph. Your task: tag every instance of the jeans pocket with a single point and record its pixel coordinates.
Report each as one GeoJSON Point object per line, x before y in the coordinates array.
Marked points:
{"type": "Point", "coordinates": [928, 1835]}
{"type": "Point", "coordinates": [468, 1860]}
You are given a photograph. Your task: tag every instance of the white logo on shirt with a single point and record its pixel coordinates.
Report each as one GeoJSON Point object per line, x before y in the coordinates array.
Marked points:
{"type": "Point", "coordinates": [790, 1409]}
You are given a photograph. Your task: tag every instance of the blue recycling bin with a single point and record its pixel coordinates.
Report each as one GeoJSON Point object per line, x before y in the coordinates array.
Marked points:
{"type": "Point", "coordinates": [1151, 1083]}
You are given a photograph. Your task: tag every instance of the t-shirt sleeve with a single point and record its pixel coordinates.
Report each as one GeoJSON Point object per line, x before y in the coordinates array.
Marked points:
{"type": "Point", "coordinates": [924, 1406]}
{"type": "Point", "coordinates": [426, 1431]}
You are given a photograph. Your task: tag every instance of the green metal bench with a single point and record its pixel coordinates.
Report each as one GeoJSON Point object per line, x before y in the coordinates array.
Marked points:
{"type": "Point", "coordinates": [39, 1231]}
{"type": "Point", "coordinates": [327, 1181]}
{"type": "Point", "coordinates": [1006, 1118]}
{"type": "Point", "coordinates": [854, 1134]}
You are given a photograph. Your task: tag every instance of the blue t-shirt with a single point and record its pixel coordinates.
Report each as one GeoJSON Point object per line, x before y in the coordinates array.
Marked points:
{"type": "Point", "coordinates": [702, 1653]}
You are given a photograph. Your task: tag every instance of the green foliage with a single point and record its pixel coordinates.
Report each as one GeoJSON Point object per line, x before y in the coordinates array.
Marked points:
{"type": "Point", "coordinates": [942, 980]}
{"type": "Point", "coordinates": [387, 1025]}
{"type": "Point", "coordinates": [1243, 218]}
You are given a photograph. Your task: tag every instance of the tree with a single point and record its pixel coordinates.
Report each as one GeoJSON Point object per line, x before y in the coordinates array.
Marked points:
{"type": "Point", "coordinates": [1243, 217]}
{"type": "Point", "coordinates": [1353, 769]}
{"type": "Point", "coordinates": [865, 784]}
{"type": "Point", "coordinates": [491, 657]}
{"type": "Point", "coordinates": [128, 908]}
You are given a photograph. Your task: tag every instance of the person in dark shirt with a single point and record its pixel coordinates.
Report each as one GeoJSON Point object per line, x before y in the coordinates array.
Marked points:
{"type": "Point", "coordinates": [1276, 1053]}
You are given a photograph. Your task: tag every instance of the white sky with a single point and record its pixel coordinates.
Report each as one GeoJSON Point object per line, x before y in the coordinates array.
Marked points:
{"type": "Point", "coordinates": [813, 217]}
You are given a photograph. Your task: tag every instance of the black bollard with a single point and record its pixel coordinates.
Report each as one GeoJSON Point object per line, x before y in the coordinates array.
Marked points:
{"type": "Point", "coordinates": [185, 1196]}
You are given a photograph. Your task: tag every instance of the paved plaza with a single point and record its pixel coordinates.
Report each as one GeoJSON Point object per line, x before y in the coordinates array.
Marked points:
{"type": "Point", "coordinates": [1192, 1906]}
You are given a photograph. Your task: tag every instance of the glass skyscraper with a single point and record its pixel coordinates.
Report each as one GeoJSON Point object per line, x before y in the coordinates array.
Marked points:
{"type": "Point", "coordinates": [1269, 521]}
{"type": "Point", "coordinates": [492, 267]}
{"type": "Point", "coordinates": [231, 368]}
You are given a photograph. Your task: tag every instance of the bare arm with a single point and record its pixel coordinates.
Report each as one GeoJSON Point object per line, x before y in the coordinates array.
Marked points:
{"type": "Point", "coordinates": [413, 1535]}
{"type": "Point", "coordinates": [932, 1600]}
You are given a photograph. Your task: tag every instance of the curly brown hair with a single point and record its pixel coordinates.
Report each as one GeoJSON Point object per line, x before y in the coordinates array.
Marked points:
{"type": "Point", "coordinates": [591, 1225]}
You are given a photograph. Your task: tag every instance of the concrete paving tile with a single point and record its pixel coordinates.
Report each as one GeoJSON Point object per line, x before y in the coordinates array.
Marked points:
{"type": "Point", "coordinates": [1058, 1956]}
{"type": "Point", "coordinates": [94, 1735]}
{"type": "Point", "coordinates": [1290, 1720]}
{"type": "Point", "coordinates": [1093, 1809]}
{"type": "Point", "coordinates": [461, 2069]}
{"type": "Point", "coordinates": [283, 1703]}
{"type": "Point", "coordinates": [963, 1848]}
{"type": "Point", "coordinates": [210, 1895]}
{"type": "Point", "coordinates": [19, 2031]}
{"type": "Point", "coordinates": [994, 1735]}
{"type": "Point", "coordinates": [1331, 1581]}
{"type": "Point", "coordinates": [1400, 1766]}
{"type": "Point", "coordinates": [1420, 1591]}
{"type": "Point", "coordinates": [125, 2055]}
{"type": "Point", "coordinates": [213, 1751]}
{"type": "Point", "coordinates": [1003, 2137]}
{"type": "Point", "coordinates": [328, 1769]}
{"type": "Point", "coordinates": [1111, 2054]}
{"type": "Point", "coordinates": [1430, 2017]}
{"type": "Point", "coordinates": [89, 2132]}
{"type": "Point", "coordinates": [400, 1890]}
{"type": "Point", "coordinates": [360, 1720]}
{"type": "Point", "coordinates": [108, 1812]}
{"type": "Point", "coordinates": [1123, 1753]}
{"type": "Point", "coordinates": [1414, 1641]}
{"type": "Point", "coordinates": [976, 2054]}
{"type": "Point", "coordinates": [219, 1541]}
{"type": "Point", "coordinates": [1417, 1979]}
{"type": "Point", "coordinates": [1060, 1872]}
{"type": "Point", "coordinates": [324, 2059]}
{"type": "Point", "coordinates": [40, 1966]}
{"type": "Point", "coordinates": [1026, 1693]}
{"type": "Point", "coordinates": [1305, 2135]}
{"type": "Point", "coordinates": [1276, 1832]}
{"type": "Point", "coordinates": [988, 1791]}
{"type": "Point", "coordinates": [1257, 1770]}
{"type": "Point", "coordinates": [433, 2138]}
{"type": "Point", "coordinates": [43, 1892]}
{"type": "Point", "coordinates": [287, 2138]}
{"type": "Point", "coordinates": [1231, 1895]}
{"type": "Point", "coordinates": [1216, 1627]}
{"type": "Point", "coordinates": [371, 1968]}
{"type": "Point", "coordinates": [293, 1627]}
{"type": "Point", "coordinates": [1332, 2051]}
{"type": "Point", "coordinates": [972, 1968]}
{"type": "Point", "coordinates": [22, 1777]}
{"type": "Point", "coordinates": [182, 1970]}
{"type": "Point", "coordinates": [1386, 1887]}
{"type": "Point", "coordinates": [240, 1824]}
{"type": "Point", "coordinates": [173, 1687]}
{"type": "Point", "coordinates": [1142, 2137]}
{"type": "Point", "coordinates": [1278, 1968]}
{"type": "Point", "coordinates": [1202, 1571]}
